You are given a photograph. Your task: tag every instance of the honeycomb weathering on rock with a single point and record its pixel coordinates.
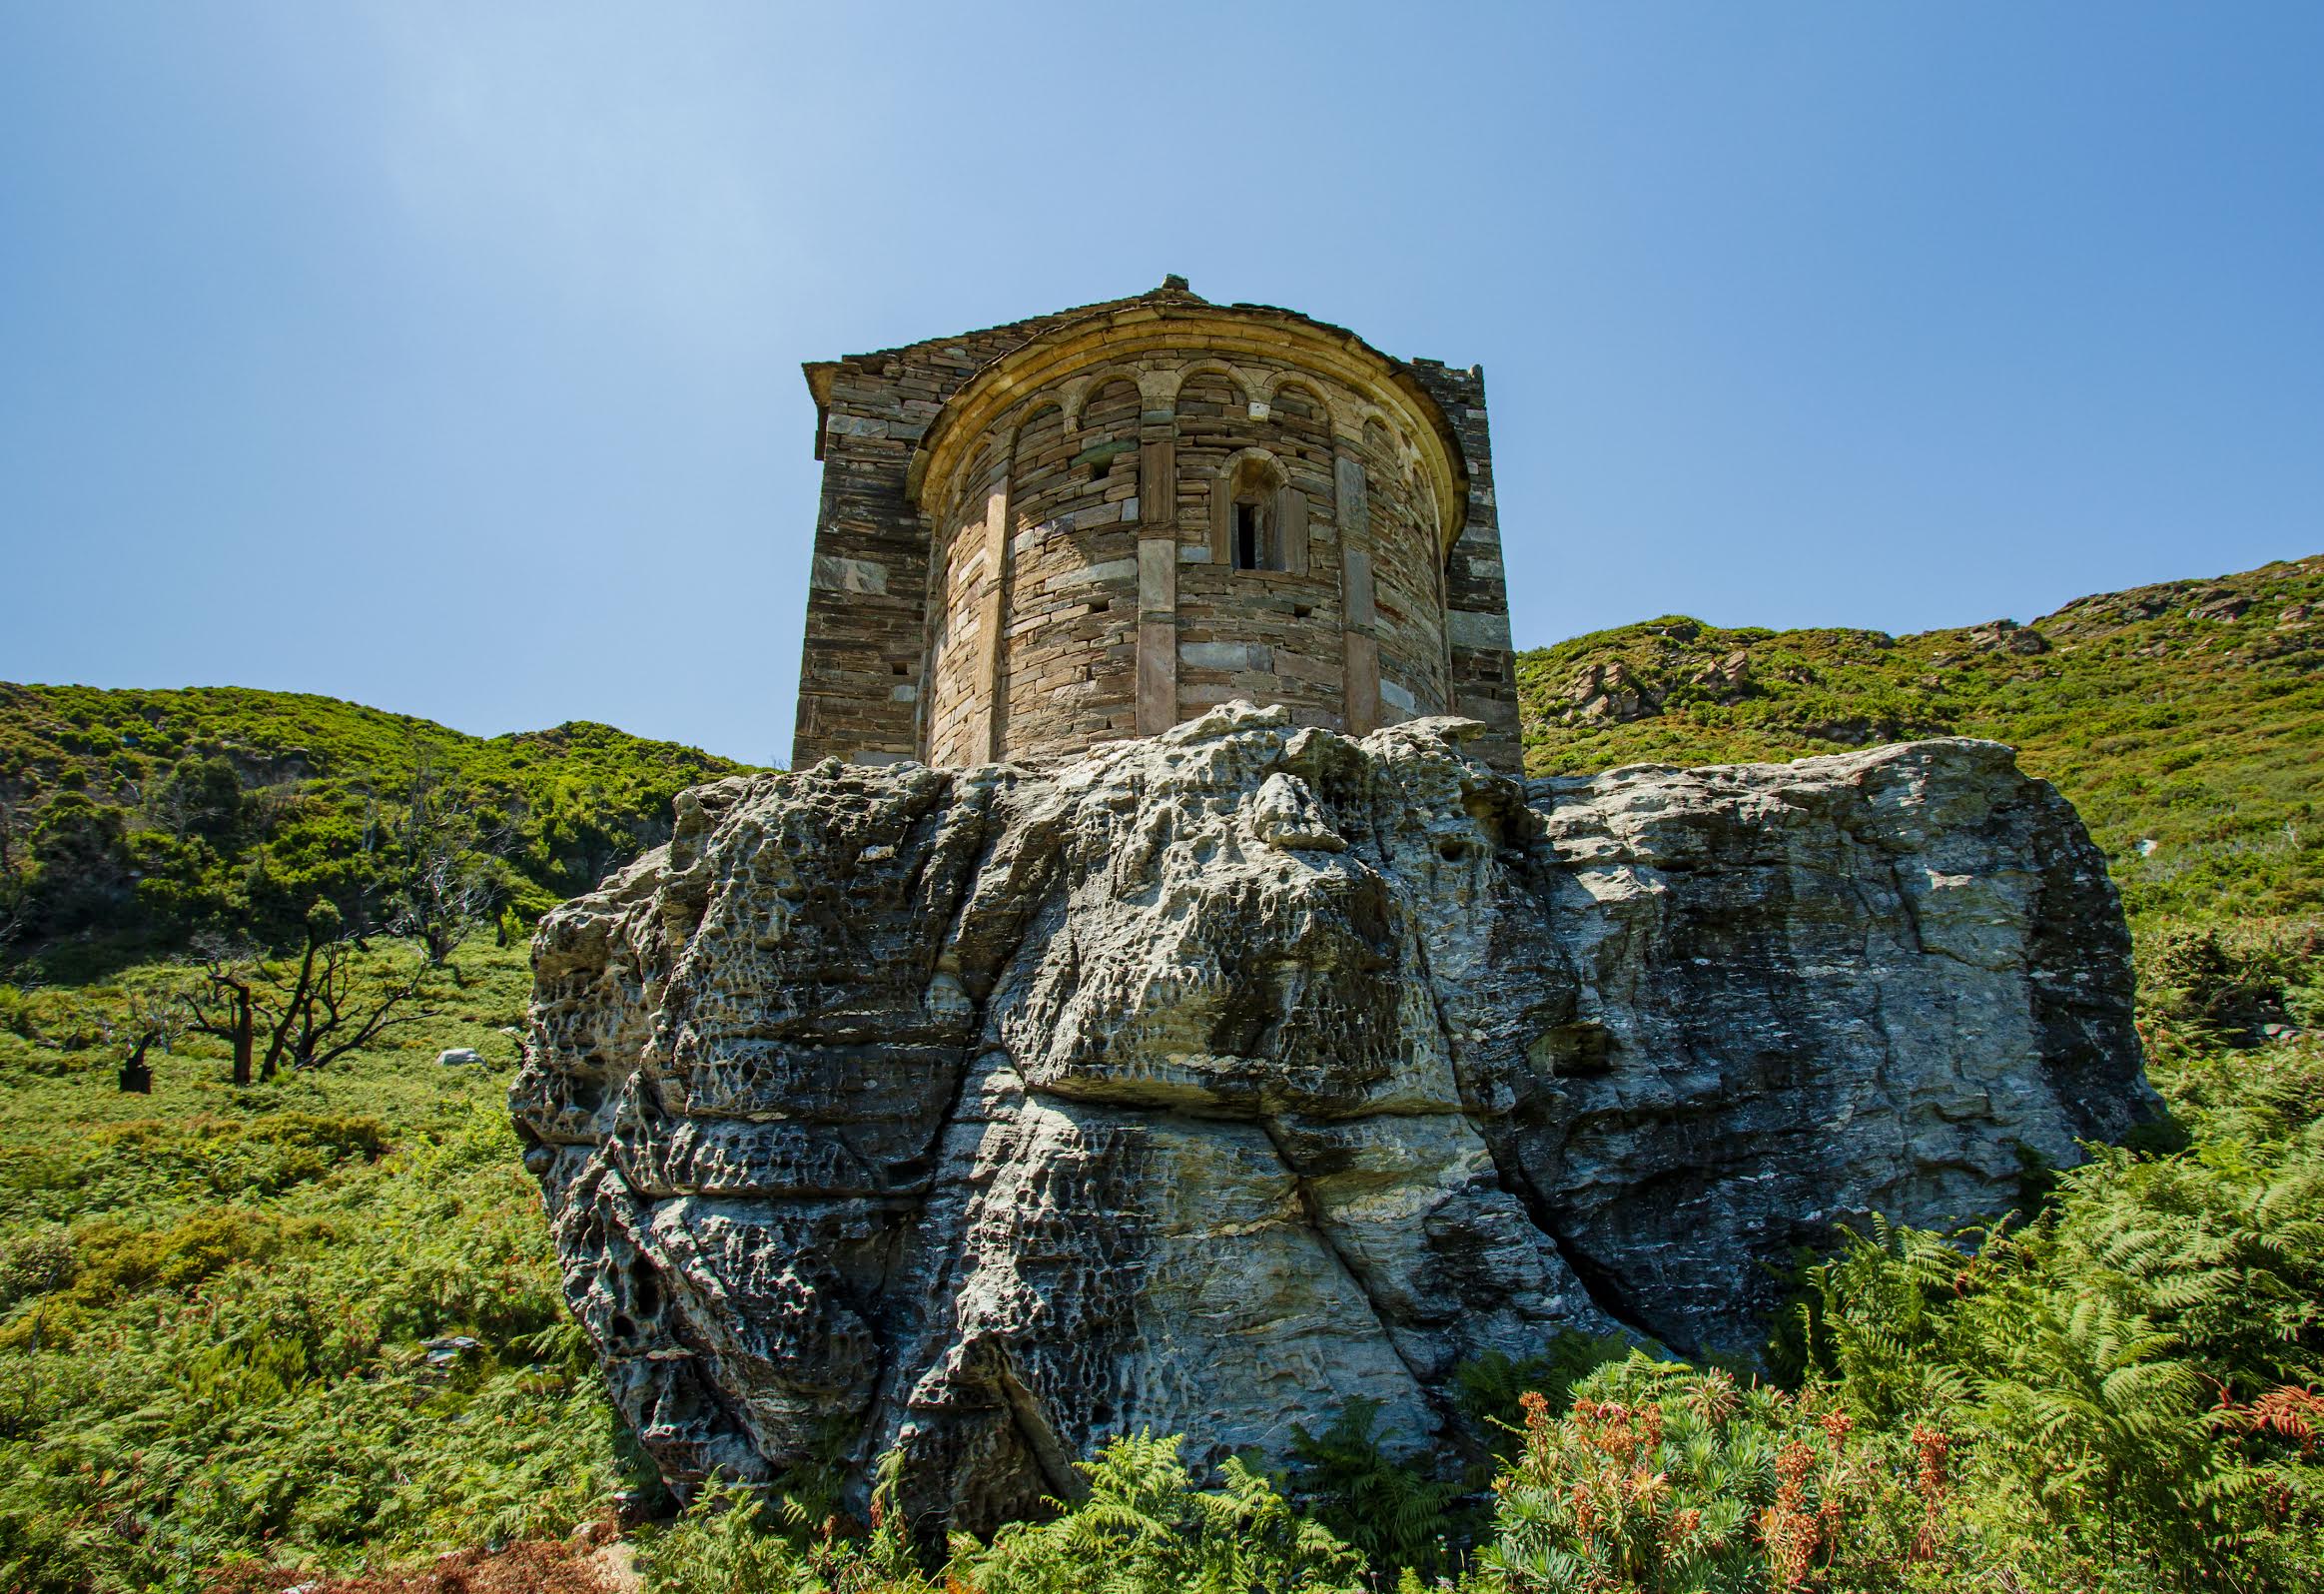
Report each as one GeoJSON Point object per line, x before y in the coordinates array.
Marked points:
{"type": "Point", "coordinates": [1204, 1083]}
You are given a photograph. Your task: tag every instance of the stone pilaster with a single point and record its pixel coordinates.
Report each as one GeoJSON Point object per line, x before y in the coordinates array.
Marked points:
{"type": "Point", "coordinates": [1359, 641]}
{"type": "Point", "coordinates": [992, 627]}
{"type": "Point", "coordinates": [1157, 586]}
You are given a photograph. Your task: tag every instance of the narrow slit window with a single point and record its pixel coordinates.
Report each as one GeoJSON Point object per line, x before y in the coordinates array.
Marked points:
{"type": "Point", "coordinates": [1249, 537]}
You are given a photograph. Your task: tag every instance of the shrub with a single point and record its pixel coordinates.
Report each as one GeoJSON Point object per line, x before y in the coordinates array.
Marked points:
{"type": "Point", "coordinates": [1490, 1390]}
{"type": "Point", "coordinates": [1662, 1478]}
{"type": "Point", "coordinates": [1144, 1528]}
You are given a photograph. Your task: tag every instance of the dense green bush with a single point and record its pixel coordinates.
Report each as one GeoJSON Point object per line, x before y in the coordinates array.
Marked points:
{"type": "Point", "coordinates": [1662, 1478]}
{"type": "Point", "coordinates": [133, 822]}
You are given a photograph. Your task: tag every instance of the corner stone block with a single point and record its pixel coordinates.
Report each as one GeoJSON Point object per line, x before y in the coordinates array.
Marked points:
{"type": "Point", "coordinates": [1482, 632]}
{"type": "Point", "coordinates": [837, 574]}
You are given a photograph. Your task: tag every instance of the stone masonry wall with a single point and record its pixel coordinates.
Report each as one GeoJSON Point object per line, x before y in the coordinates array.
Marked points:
{"type": "Point", "coordinates": [1048, 598]}
{"type": "Point", "coordinates": [867, 601]}
{"type": "Point", "coordinates": [1066, 593]}
{"type": "Point", "coordinates": [953, 686]}
{"type": "Point", "coordinates": [1408, 555]}
{"type": "Point", "coordinates": [1069, 669]}
{"type": "Point", "coordinates": [1262, 635]}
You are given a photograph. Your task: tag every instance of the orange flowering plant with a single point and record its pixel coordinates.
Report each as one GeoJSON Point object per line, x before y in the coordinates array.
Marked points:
{"type": "Point", "coordinates": [1663, 1477]}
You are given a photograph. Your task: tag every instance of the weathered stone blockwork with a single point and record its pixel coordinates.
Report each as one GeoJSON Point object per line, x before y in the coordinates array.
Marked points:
{"type": "Point", "coordinates": [1095, 525]}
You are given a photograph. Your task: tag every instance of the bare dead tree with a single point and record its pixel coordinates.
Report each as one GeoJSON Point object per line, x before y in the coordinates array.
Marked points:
{"type": "Point", "coordinates": [150, 1020]}
{"type": "Point", "coordinates": [316, 1010]}
{"type": "Point", "coordinates": [447, 892]}
{"type": "Point", "coordinates": [136, 1076]}
{"type": "Point", "coordinates": [225, 1006]}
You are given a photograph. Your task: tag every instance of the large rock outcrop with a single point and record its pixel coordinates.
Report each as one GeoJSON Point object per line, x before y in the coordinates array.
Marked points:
{"type": "Point", "coordinates": [1204, 1082]}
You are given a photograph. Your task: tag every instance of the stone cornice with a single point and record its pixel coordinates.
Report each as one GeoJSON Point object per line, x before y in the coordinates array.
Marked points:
{"type": "Point", "coordinates": [1185, 325]}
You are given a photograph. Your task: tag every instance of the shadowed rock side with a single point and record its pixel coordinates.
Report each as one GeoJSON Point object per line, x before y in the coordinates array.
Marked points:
{"type": "Point", "coordinates": [1201, 1084]}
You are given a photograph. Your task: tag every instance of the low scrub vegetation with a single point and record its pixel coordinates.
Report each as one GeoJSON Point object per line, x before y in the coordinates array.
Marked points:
{"type": "Point", "coordinates": [310, 1320]}
{"type": "Point", "coordinates": [264, 1326]}
{"type": "Point", "coordinates": [314, 1321]}
{"type": "Point", "coordinates": [2185, 720]}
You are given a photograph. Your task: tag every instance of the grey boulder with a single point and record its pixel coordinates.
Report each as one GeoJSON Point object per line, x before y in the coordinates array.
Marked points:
{"type": "Point", "coordinates": [1205, 1083]}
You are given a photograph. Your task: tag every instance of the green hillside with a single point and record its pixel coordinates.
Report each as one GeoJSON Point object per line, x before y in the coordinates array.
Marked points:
{"type": "Point", "coordinates": [137, 821]}
{"type": "Point", "coordinates": [2185, 720]}
{"type": "Point", "coordinates": [306, 1330]}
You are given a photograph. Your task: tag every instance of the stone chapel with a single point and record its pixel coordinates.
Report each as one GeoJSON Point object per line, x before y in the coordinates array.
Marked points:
{"type": "Point", "coordinates": [1094, 524]}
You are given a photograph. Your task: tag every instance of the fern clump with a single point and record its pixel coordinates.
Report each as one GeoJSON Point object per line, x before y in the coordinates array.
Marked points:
{"type": "Point", "coordinates": [1146, 1528]}
{"type": "Point", "coordinates": [1143, 1526]}
{"type": "Point", "coordinates": [2131, 1376]}
{"type": "Point", "coordinates": [1394, 1511]}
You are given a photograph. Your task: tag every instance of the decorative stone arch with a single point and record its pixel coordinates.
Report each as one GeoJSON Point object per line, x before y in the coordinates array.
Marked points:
{"type": "Point", "coordinates": [982, 471]}
{"type": "Point", "coordinates": [1311, 431]}
{"type": "Point", "coordinates": [1284, 380]}
{"type": "Point", "coordinates": [1379, 436]}
{"type": "Point", "coordinates": [975, 473]}
{"type": "Point", "coordinates": [1074, 395]}
{"type": "Point", "coordinates": [1020, 435]}
{"type": "Point", "coordinates": [1209, 367]}
{"type": "Point", "coordinates": [1328, 398]}
{"type": "Point", "coordinates": [1114, 404]}
{"type": "Point", "coordinates": [1259, 520]}
{"type": "Point", "coordinates": [1038, 407]}
{"type": "Point", "coordinates": [1185, 336]}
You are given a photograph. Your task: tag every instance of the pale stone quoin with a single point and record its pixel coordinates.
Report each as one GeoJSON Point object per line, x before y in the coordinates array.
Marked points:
{"type": "Point", "coordinates": [1094, 524]}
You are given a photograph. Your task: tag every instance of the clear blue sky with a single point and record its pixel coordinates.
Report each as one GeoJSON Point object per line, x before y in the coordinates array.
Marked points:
{"type": "Point", "coordinates": [446, 356]}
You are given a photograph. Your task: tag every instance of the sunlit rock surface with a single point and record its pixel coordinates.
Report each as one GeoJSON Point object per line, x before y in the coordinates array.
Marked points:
{"type": "Point", "coordinates": [1201, 1084]}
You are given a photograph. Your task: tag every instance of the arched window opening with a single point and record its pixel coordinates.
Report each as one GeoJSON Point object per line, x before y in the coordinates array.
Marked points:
{"type": "Point", "coordinates": [1251, 550]}
{"type": "Point", "coordinates": [1259, 522]}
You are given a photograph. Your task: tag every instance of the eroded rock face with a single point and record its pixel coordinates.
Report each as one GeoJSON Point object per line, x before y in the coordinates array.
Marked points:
{"type": "Point", "coordinates": [1204, 1082]}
